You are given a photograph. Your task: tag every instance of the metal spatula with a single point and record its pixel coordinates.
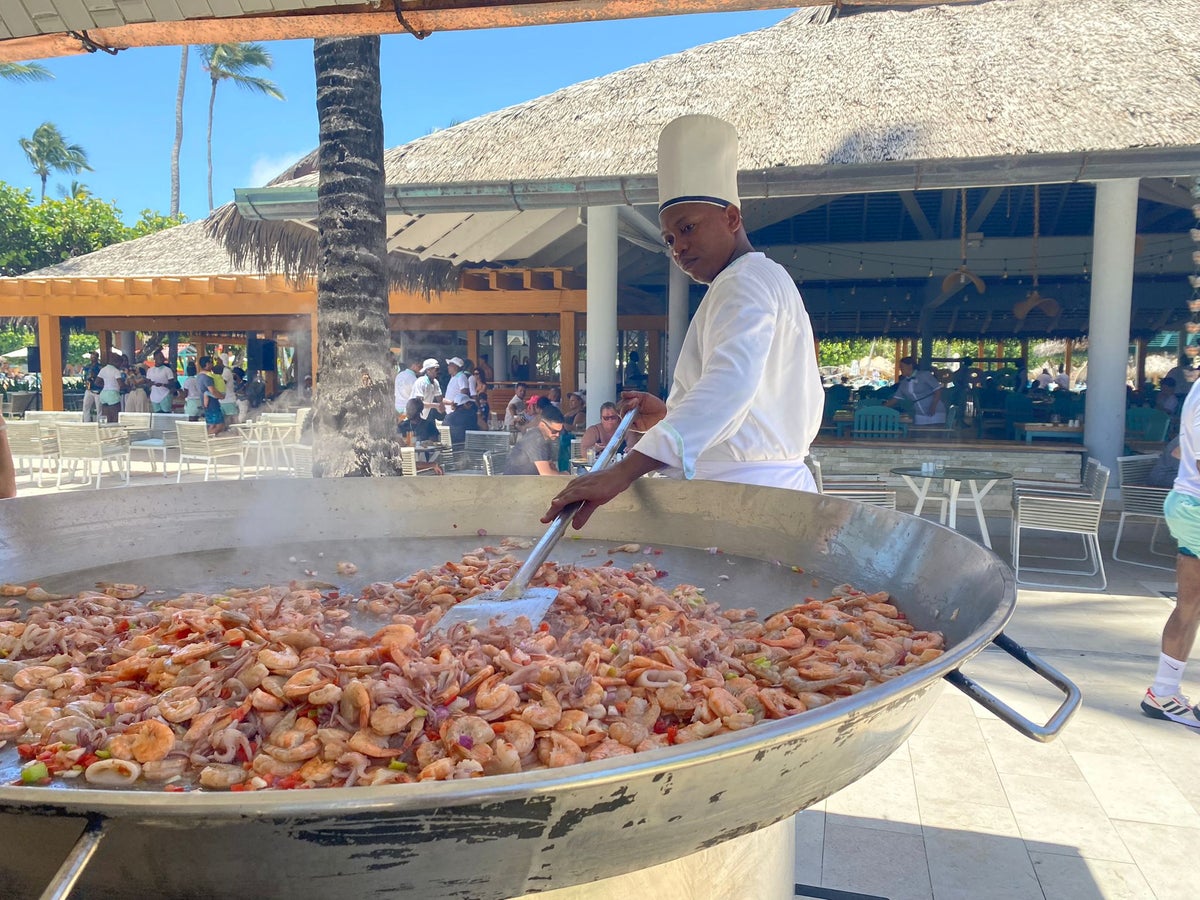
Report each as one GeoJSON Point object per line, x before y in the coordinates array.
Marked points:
{"type": "Point", "coordinates": [518, 598]}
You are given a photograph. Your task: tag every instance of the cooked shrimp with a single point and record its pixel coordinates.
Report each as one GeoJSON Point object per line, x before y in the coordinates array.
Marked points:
{"type": "Point", "coordinates": [222, 776]}
{"type": "Point", "coordinates": [280, 661]}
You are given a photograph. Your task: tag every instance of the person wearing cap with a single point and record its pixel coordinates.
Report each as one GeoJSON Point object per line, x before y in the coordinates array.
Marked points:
{"type": "Point", "coordinates": [429, 390]}
{"type": "Point", "coordinates": [921, 392]}
{"type": "Point", "coordinates": [406, 379]}
{"type": "Point", "coordinates": [514, 413]}
{"type": "Point", "coordinates": [457, 389]}
{"type": "Point", "coordinates": [748, 349]}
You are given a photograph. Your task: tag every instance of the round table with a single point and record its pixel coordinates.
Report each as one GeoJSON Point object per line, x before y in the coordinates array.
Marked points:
{"type": "Point", "coordinates": [952, 480]}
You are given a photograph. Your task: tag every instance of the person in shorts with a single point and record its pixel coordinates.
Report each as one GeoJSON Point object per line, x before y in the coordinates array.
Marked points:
{"type": "Point", "coordinates": [1165, 699]}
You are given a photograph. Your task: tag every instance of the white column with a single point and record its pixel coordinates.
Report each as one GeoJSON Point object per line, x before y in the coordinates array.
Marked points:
{"type": "Point", "coordinates": [678, 284]}
{"type": "Point", "coordinates": [601, 306]}
{"type": "Point", "coordinates": [500, 355]}
{"type": "Point", "coordinates": [1108, 321]}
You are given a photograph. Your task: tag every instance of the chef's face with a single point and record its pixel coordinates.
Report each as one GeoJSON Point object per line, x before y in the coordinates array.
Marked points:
{"type": "Point", "coordinates": [702, 237]}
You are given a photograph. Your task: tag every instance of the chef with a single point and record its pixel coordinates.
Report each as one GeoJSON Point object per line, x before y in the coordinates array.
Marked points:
{"type": "Point", "coordinates": [746, 399]}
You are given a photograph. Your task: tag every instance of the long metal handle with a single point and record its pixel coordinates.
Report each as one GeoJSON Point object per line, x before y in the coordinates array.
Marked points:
{"type": "Point", "coordinates": [994, 704]}
{"type": "Point", "coordinates": [68, 873]}
{"type": "Point", "coordinates": [558, 527]}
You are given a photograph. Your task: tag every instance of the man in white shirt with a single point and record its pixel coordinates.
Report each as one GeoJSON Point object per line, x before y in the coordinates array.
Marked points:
{"type": "Point", "coordinates": [428, 390]}
{"type": "Point", "coordinates": [110, 394]}
{"type": "Point", "coordinates": [749, 347]}
{"type": "Point", "coordinates": [1062, 381]}
{"type": "Point", "coordinates": [161, 378]}
{"type": "Point", "coordinates": [406, 378]}
{"type": "Point", "coordinates": [515, 416]}
{"type": "Point", "coordinates": [457, 389]}
{"type": "Point", "coordinates": [922, 391]}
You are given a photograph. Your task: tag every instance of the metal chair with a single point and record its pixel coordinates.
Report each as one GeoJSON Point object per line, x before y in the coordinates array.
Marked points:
{"type": "Point", "coordinates": [864, 488]}
{"type": "Point", "coordinates": [1062, 513]}
{"type": "Point", "coordinates": [480, 442]}
{"type": "Point", "coordinates": [1143, 501]}
{"type": "Point", "coordinates": [493, 462]}
{"type": "Point", "coordinates": [878, 423]}
{"type": "Point", "coordinates": [83, 442]}
{"type": "Point", "coordinates": [302, 461]}
{"type": "Point", "coordinates": [195, 443]}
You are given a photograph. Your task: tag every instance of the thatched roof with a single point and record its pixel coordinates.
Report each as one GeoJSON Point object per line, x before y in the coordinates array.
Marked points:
{"type": "Point", "coordinates": [183, 250]}
{"type": "Point", "coordinates": [1000, 78]}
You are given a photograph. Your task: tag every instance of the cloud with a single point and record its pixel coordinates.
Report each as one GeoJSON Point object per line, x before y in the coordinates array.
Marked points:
{"type": "Point", "coordinates": [264, 168]}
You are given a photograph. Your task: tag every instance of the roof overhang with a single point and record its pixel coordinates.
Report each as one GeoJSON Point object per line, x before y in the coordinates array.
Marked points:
{"type": "Point", "coordinates": [299, 203]}
{"type": "Point", "coordinates": [69, 27]}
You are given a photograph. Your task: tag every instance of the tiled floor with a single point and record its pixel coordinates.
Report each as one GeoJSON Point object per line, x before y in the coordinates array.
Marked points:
{"type": "Point", "coordinates": [968, 809]}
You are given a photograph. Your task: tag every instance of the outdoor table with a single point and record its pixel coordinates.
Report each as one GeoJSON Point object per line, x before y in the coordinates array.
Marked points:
{"type": "Point", "coordinates": [952, 478]}
{"type": "Point", "coordinates": [1050, 430]}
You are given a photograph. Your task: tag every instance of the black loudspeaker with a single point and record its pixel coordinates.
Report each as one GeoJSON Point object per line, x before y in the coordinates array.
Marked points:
{"type": "Point", "coordinates": [34, 359]}
{"type": "Point", "coordinates": [267, 358]}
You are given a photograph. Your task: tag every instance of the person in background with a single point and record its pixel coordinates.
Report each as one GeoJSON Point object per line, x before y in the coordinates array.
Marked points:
{"type": "Point", "coordinates": [429, 390]}
{"type": "Point", "coordinates": [214, 418]}
{"type": "Point", "coordinates": [477, 383]}
{"type": "Point", "coordinates": [113, 381]}
{"type": "Point", "coordinates": [193, 401]}
{"type": "Point", "coordinates": [574, 410]}
{"type": "Point", "coordinates": [515, 417]}
{"type": "Point", "coordinates": [416, 427]}
{"type": "Point", "coordinates": [1062, 381]}
{"type": "Point", "coordinates": [1164, 699]}
{"type": "Point", "coordinates": [241, 388]}
{"type": "Point", "coordinates": [463, 418]}
{"type": "Point", "coordinates": [92, 385]}
{"type": "Point", "coordinates": [1166, 467]}
{"type": "Point", "coordinates": [406, 379]}
{"type": "Point", "coordinates": [555, 395]}
{"type": "Point", "coordinates": [229, 404]}
{"type": "Point", "coordinates": [597, 436]}
{"type": "Point", "coordinates": [1181, 375]}
{"type": "Point", "coordinates": [161, 379]}
{"type": "Point", "coordinates": [485, 409]}
{"type": "Point", "coordinates": [1044, 379]}
{"type": "Point", "coordinates": [1167, 400]}
{"type": "Point", "coordinates": [8, 471]}
{"type": "Point", "coordinates": [457, 388]}
{"type": "Point", "coordinates": [922, 390]}
{"type": "Point", "coordinates": [536, 451]}
{"type": "Point", "coordinates": [137, 390]}
{"type": "Point", "coordinates": [749, 347]}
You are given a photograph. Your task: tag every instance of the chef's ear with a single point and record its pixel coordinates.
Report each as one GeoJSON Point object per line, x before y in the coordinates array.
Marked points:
{"type": "Point", "coordinates": [733, 218]}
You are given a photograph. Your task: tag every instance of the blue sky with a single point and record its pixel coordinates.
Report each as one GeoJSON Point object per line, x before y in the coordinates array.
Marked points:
{"type": "Point", "coordinates": [122, 109]}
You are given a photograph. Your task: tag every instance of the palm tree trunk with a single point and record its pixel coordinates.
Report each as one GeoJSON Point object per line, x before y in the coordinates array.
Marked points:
{"type": "Point", "coordinates": [44, 177]}
{"type": "Point", "coordinates": [353, 416]}
{"type": "Point", "coordinates": [183, 63]}
{"type": "Point", "coordinates": [212, 101]}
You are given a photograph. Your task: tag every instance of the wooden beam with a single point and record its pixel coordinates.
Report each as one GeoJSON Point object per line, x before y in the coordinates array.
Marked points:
{"type": "Point", "coordinates": [985, 207]}
{"type": "Point", "coordinates": [50, 344]}
{"type": "Point", "coordinates": [192, 324]}
{"type": "Point", "coordinates": [420, 18]}
{"type": "Point", "coordinates": [568, 365]}
{"type": "Point", "coordinates": [909, 199]}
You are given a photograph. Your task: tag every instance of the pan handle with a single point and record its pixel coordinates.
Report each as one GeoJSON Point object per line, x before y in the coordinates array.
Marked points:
{"type": "Point", "coordinates": [994, 704]}
{"type": "Point", "coordinates": [68, 873]}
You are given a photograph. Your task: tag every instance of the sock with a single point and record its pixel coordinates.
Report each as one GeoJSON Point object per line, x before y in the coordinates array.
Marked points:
{"type": "Point", "coordinates": [1169, 677]}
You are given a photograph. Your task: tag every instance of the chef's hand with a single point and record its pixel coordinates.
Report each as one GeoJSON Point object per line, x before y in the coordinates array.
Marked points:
{"type": "Point", "coordinates": [597, 488]}
{"type": "Point", "coordinates": [651, 409]}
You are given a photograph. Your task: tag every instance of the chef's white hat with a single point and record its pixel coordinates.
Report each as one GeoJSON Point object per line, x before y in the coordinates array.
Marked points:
{"type": "Point", "coordinates": [697, 162]}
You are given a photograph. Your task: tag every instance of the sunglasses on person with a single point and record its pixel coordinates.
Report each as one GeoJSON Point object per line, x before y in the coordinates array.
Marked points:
{"type": "Point", "coordinates": [610, 418]}
{"type": "Point", "coordinates": [554, 432]}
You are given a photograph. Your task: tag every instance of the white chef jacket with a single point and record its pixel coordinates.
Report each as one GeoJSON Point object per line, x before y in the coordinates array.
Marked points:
{"type": "Point", "coordinates": [456, 388]}
{"type": "Point", "coordinates": [746, 401]}
{"type": "Point", "coordinates": [160, 377]}
{"type": "Point", "coordinates": [405, 379]}
{"type": "Point", "coordinates": [428, 390]}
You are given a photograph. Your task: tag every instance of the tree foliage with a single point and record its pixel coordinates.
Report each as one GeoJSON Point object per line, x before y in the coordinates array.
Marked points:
{"type": "Point", "coordinates": [33, 236]}
{"type": "Point", "coordinates": [48, 151]}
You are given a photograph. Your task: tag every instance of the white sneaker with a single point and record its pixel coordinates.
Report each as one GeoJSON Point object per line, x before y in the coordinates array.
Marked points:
{"type": "Point", "coordinates": [1176, 708]}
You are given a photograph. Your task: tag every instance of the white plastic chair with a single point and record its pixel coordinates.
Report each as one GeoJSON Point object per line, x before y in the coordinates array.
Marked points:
{"type": "Point", "coordinates": [196, 444]}
{"type": "Point", "coordinates": [408, 463]}
{"type": "Point", "coordinates": [1062, 513]}
{"type": "Point", "coordinates": [1141, 500]}
{"type": "Point", "coordinates": [83, 442]}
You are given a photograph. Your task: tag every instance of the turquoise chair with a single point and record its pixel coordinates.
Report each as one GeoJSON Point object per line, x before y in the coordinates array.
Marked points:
{"type": "Point", "coordinates": [878, 423]}
{"type": "Point", "coordinates": [1145, 423]}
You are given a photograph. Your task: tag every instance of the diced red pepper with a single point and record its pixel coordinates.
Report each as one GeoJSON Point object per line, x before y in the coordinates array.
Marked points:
{"type": "Point", "coordinates": [672, 733]}
{"type": "Point", "coordinates": [287, 782]}
{"type": "Point", "coordinates": [544, 627]}
{"type": "Point", "coordinates": [26, 751]}
{"type": "Point", "coordinates": [122, 626]}
{"type": "Point", "coordinates": [237, 787]}
{"type": "Point", "coordinates": [174, 788]}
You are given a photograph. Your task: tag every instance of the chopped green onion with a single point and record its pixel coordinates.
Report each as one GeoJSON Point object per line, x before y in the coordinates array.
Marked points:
{"type": "Point", "coordinates": [731, 676]}
{"type": "Point", "coordinates": [34, 773]}
{"type": "Point", "coordinates": [419, 713]}
{"type": "Point", "coordinates": [396, 766]}
{"type": "Point", "coordinates": [104, 754]}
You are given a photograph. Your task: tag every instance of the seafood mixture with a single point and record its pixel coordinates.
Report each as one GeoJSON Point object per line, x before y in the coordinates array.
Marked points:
{"type": "Point", "coordinates": [279, 687]}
